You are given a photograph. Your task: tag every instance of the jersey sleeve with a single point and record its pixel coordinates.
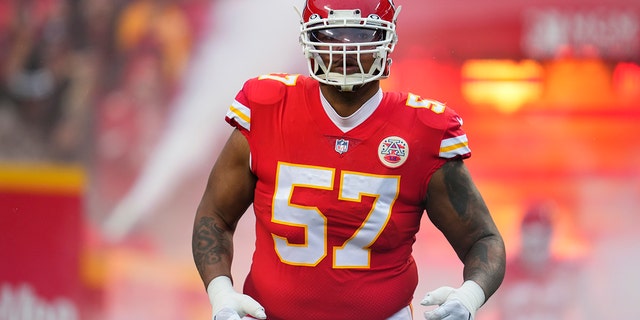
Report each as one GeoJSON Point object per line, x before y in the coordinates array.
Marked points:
{"type": "Point", "coordinates": [454, 143]}
{"type": "Point", "coordinates": [239, 114]}
{"type": "Point", "coordinates": [261, 92]}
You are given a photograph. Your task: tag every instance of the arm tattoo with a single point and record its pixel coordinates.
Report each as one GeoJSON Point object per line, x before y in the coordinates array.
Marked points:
{"type": "Point", "coordinates": [209, 243]}
{"type": "Point", "coordinates": [482, 252]}
{"type": "Point", "coordinates": [485, 259]}
{"type": "Point", "coordinates": [459, 187]}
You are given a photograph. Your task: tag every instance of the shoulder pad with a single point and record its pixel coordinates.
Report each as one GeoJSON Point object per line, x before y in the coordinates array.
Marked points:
{"type": "Point", "coordinates": [269, 89]}
{"type": "Point", "coordinates": [430, 112]}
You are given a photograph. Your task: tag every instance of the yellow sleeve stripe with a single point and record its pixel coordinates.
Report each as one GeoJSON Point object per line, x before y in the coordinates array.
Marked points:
{"type": "Point", "coordinates": [241, 114]}
{"type": "Point", "coordinates": [455, 146]}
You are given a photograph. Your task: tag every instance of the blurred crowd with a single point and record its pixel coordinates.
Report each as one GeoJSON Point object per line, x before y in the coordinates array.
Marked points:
{"type": "Point", "coordinates": [91, 81]}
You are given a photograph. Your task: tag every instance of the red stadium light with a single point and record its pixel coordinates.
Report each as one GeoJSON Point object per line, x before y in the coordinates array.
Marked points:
{"type": "Point", "coordinates": [626, 83]}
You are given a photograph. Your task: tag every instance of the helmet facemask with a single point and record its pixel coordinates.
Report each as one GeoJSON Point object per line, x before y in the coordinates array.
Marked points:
{"type": "Point", "coordinates": [341, 41]}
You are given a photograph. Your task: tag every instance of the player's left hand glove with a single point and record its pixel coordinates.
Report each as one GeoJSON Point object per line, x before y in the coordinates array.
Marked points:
{"type": "Point", "coordinates": [454, 304]}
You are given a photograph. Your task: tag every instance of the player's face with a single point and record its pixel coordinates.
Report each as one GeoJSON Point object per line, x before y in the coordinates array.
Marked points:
{"type": "Point", "coordinates": [339, 40]}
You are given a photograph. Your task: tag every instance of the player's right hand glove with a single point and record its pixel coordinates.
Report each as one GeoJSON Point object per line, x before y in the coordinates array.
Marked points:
{"type": "Point", "coordinates": [228, 304]}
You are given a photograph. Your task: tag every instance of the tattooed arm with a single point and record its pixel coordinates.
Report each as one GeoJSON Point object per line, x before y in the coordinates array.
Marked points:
{"type": "Point", "coordinates": [228, 194]}
{"type": "Point", "coordinates": [456, 207]}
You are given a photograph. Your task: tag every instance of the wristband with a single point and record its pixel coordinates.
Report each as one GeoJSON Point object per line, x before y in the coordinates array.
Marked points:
{"type": "Point", "coordinates": [471, 295]}
{"type": "Point", "coordinates": [217, 285]}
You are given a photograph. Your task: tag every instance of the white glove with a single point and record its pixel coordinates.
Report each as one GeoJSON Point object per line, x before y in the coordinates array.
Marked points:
{"type": "Point", "coordinates": [228, 304]}
{"type": "Point", "coordinates": [454, 304]}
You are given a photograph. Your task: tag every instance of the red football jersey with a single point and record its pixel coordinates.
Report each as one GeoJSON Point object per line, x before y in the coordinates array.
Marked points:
{"type": "Point", "coordinates": [337, 212]}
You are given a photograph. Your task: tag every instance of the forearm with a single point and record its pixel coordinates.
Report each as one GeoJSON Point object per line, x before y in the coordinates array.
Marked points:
{"type": "Point", "coordinates": [485, 263]}
{"type": "Point", "coordinates": [212, 247]}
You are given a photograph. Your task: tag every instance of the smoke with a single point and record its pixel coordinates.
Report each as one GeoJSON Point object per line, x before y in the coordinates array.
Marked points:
{"type": "Point", "coordinates": [248, 38]}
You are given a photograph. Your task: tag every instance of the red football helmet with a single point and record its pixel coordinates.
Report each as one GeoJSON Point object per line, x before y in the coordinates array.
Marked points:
{"type": "Point", "coordinates": [342, 31]}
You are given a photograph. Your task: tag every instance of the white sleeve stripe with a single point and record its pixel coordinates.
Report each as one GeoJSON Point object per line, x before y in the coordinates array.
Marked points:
{"type": "Point", "coordinates": [240, 114]}
{"type": "Point", "coordinates": [453, 141]}
{"type": "Point", "coordinates": [455, 146]}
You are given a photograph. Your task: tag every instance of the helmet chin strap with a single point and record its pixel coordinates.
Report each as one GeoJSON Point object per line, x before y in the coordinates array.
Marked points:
{"type": "Point", "coordinates": [351, 88]}
{"type": "Point", "coordinates": [343, 86]}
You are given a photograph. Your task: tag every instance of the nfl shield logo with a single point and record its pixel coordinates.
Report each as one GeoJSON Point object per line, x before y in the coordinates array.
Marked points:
{"type": "Point", "coordinates": [342, 146]}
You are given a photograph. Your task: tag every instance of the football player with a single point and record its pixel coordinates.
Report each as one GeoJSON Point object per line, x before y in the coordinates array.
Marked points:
{"type": "Point", "coordinates": [339, 174]}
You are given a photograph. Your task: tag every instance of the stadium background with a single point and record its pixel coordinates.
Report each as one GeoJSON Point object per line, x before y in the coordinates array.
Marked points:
{"type": "Point", "coordinates": [111, 114]}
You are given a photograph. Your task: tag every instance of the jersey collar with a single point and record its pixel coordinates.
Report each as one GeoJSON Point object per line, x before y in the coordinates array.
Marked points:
{"type": "Point", "coordinates": [347, 123]}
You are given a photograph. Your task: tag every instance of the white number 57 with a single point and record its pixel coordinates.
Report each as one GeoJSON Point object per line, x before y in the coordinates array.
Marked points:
{"type": "Point", "coordinates": [354, 252]}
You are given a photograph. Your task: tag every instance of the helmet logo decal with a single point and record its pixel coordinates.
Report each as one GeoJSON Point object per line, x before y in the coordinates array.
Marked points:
{"type": "Point", "coordinates": [393, 151]}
